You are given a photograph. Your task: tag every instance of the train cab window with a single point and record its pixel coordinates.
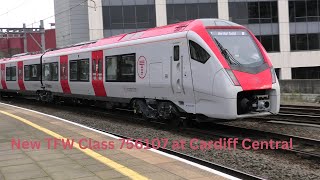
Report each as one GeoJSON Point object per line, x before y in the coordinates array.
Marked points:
{"type": "Point", "coordinates": [121, 68]}
{"type": "Point", "coordinates": [198, 53]}
{"type": "Point", "coordinates": [176, 53]}
{"type": "Point", "coordinates": [50, 71]}
{"type": "Point", "coordinates": [11, 73]}
{"type": "Point", "coordinates": [79, 70]}
{"type": "Point", "coordinates": [32, 72]}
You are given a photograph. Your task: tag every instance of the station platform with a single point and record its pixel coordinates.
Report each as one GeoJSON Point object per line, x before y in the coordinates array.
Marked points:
{"type": "Point", "coordinates": [31, 147]}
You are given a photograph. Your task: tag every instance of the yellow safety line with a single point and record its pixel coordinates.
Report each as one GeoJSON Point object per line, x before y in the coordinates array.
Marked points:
{"type": "Point", "coordinates": [118, 167]}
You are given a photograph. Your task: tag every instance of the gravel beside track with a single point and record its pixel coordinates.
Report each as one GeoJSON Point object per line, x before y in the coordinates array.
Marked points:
{"type": "Point", "coordinates": [299, 103]}
{"type": "Point", "coordinates": [266, 164]}
{"type": "Point", "coordinates": [303, 131]}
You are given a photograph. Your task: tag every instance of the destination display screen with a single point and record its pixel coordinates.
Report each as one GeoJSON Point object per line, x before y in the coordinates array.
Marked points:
{"type": "Point", "coordinates": [228, 33]}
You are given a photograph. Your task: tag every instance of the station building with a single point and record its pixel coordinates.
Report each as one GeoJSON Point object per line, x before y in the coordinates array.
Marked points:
{"type": "Point", "coordinates": [288, 29]}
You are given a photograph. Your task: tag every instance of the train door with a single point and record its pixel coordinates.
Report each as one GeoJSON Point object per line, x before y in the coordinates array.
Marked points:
{"type": "Point", "coordinates": [20, 76]}
{"type": "Point", "coordinates": [176, 69]}
{"type": "Point", "coordinates": [202, 71]}
{"type": "Point", "coordinates": [3, 76]}
{"type": "Point", "coordinates": [64, 74]}
{"type": "Point", "coordinates": [97, 73]}
{"type": "Point", "coordinates": [181, 79]}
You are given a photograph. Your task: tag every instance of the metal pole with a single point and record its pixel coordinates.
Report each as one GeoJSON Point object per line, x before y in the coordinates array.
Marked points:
{"type": "Point", "coordinates": [24, 39]}
{"type": "Point", "coordinates": [43, 41]}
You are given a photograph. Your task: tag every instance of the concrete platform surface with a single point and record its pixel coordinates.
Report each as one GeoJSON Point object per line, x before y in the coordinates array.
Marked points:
{"type": "Point", "coordinates": [35, 146]}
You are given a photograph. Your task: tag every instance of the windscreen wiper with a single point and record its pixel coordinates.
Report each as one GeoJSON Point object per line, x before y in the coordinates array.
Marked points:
{"type": "Point", "coordinates": [225, 52]}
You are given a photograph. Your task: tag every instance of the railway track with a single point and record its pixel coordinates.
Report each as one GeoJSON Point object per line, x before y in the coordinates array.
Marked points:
{"type": "Point", "coordinates": [301, 110]}
{"type": "Point", "coordinates": [294, 118]}
{"type": "Point", "coordinates": [294, 115]}
{"type": "Point", "coordinates": [306, 147]}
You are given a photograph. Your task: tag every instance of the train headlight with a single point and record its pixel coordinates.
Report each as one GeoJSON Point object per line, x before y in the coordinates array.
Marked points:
{"type": "Point", "coordinates": [233, 77]}
{"type": "Point", "coordinates": [274, 76]}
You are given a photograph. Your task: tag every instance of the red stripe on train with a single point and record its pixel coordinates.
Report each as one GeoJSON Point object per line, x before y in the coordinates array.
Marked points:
{"type": "Point", "coordinates": [97, 73]}
{"type": "Point", "coordinates": [64, 74]}
{"type": "Point", "coordinates": [3, 76]}
{"type": "Point", "coordinates": [20, 76]}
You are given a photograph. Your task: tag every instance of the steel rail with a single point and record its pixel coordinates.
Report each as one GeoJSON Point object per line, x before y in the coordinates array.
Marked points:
{"type": "Point", "coordinates": [303, 147]}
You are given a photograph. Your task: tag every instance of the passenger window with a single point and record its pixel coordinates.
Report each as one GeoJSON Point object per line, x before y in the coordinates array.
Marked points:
{"type": "Point", "coordinates": [128, 68]}
{"type": "Point", "coordinates": [198, 53]}
{"type": "Point", "coordinates": [176, 53]}
{"type": "Point", "coordinates": [8, 73]}
{"type": "Point", "coordinates": [79, 70]}
{"type": "Point", "coordinates": [121, 68]}
{"type": "Point", "coordinates": [27, 73]}
{"type": "Point", "coordinates": [50, 71]}
{"type": "Point", "coordinates": [32, 72]}
{"type": "Point", "coordinates": [112, 65]}
{"type": "Point", "coordinates": [84, 70]}
{"type": "Point", "coordinates": [73, 70]}
{"type": "Point", "coordinates": [54, 70]}
{"type": "Point", "coordinates": [11, 73]}
{"type": "Point", "coordinates": [46, 72]}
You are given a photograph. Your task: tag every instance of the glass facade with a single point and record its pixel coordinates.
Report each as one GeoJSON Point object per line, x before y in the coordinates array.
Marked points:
{"type": "Point", "coordinates": [261, 17]}
{"type": "Point", "coordinates": [250, 12]}
{"type": "Point", "coordinates": [123, 16]}
{"type": "Point", "coordinates": [304, 25]}
{"type": "Point", "coordinates": [308, 41]}
{"type": "Point", "coordinates": [304, 11]}
{"type": "Point", "coordinates": [183, 10]}
{"type": "Point", "coordinates": [306, 73]}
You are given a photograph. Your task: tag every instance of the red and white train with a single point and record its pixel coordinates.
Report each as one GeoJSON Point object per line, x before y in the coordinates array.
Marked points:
{"type": "Point", "coordinates": [208, 67]}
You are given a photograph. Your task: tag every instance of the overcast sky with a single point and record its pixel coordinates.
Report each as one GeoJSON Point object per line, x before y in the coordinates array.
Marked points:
{"type": "Point", "coordinates": [13, 13]}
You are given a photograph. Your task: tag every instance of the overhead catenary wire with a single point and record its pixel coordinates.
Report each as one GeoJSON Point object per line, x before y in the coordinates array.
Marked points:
{"type": "Point", "coordinates": [61, 12]}
{"type": "Point", "coordinates": [14, 8]}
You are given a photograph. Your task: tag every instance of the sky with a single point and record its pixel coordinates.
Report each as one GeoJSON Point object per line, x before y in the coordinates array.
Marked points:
{"type": "Point", "coordinates": [13, 13]}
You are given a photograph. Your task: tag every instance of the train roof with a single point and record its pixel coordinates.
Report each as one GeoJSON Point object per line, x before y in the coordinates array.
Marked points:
{"type": "Point", "coordinates": [152, 32]}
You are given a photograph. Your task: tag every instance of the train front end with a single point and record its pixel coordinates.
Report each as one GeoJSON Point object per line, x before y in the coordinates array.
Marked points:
{"type": "Point", "coordinates": [247, 85]}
